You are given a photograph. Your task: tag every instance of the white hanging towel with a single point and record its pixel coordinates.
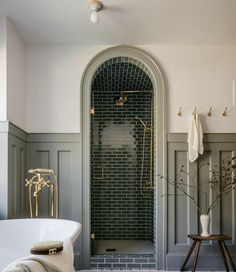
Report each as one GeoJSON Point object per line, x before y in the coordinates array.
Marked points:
{"type": "Point", "coordinates": [195, 138]}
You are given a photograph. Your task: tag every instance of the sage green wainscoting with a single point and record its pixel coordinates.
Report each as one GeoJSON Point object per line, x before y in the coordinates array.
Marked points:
{"type": "Point", "coordinates": [12, 170]}
{"type": "Point", "coordinates": [16, 171]}
{"type": "Point", "coordinates": [63, 152]}
{"type": "Point", "coordinates": [182, 216]}
{"type": "Point", "coordinates": [4, 128]}
{"type": "Point", "coordinates": [21, 151]}
{"type": "Point", "coordinates": [60, 152]}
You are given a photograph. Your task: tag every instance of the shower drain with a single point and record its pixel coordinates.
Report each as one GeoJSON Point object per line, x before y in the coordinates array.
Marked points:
{"type": "Point", "coordinates": [110, 249]}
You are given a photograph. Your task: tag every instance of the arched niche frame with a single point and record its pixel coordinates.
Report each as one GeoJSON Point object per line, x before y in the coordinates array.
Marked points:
{"type": "Point", "coordinates": [159, 95]}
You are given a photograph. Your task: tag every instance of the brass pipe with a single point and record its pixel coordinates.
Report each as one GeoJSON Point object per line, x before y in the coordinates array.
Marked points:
{"type": "Point", "coordinates": [30, 200]}
{"type": "Point", "coordinates": [52, 199]}
{"type": "Point", "coordinates": [142, 165]}
{"type": "Point", "coordinates": [151, 143]}
{"type": "Point", "coordinates": [36, 205]}
{"type": "Point", "coordinates": [147, 128]}
{"type": "Point", "coordinates": [57, 195]}
{"type": "Point", "coordinates": [137, 91]}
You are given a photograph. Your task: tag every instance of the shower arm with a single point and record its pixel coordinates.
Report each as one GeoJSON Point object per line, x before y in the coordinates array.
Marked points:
{"type": "Point", "coordinates": [136, 91]}
{"type": "Point", "coordinates": [141, 121]}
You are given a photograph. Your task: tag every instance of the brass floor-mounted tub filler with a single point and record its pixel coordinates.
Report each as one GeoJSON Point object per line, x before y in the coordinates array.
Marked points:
{"type": "Point", "coordinates": [43, 178]}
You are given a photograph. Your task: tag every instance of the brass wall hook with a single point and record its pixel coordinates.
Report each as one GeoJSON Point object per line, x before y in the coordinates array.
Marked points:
{"type": "Point", "coordinates": [195, 110]}
{"type": "Point", "coordinates": [180, 112]}
{"type": "Point", "coordinates": [209, 112]}
{"type": "Point", "coordinates": [225, 112]}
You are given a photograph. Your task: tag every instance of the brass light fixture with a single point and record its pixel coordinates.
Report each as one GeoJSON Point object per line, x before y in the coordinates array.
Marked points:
{"type": "Point", "coordinates": [95, 6]}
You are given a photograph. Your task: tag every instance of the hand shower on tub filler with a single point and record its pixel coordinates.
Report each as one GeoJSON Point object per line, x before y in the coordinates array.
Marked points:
{"type": "Point", "coordinates": [42, 178]}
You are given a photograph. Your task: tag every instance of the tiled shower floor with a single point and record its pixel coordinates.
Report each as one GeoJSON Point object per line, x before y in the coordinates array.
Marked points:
{"type": "Point", "coordinates": [123, 247]}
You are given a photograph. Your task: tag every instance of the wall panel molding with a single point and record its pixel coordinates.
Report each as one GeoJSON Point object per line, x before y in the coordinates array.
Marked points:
{"type": "Point", "coordinates": [3, 171]}
{"type": "Point", "coordinates": [17, 132]}
{"type": "Point", "coordinates": [53, 138]}
{"type": "Point", "coordinates": [16, 175]}
{"type": "Point", "coordinates": [63, 152]}
{"type": "Point", "coordinates": [12, 162]}
{"type": "Point", "coordinates": [183, 218]}
{"type": "Point", "coordinates": [21, 151]}
{"type": "Point", "coordinates": [208, 137]}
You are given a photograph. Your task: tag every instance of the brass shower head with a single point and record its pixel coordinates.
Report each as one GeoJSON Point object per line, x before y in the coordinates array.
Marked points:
{"type": "Point", "coordinates": [121, 100]}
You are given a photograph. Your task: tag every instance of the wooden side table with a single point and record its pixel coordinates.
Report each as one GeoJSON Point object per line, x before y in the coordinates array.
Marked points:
{"type": "Point", "coordinates": [197, 239]}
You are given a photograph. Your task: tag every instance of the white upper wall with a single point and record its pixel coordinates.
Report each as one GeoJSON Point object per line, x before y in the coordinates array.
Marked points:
{"type": "Point", "coordinates": [3, 69]}
{"type": "Point", "coordinates": [198, 76]}
{"type": "Point", "coordinates": [15, 77]}
{"type": "Point", "coordinates": [12, 77]}
{"type": "Point", "coordinates": [53, 76]}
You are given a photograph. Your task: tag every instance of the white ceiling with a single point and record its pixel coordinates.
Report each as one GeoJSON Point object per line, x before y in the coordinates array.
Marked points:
{"type": "Point", "coordinates": [124, 21]}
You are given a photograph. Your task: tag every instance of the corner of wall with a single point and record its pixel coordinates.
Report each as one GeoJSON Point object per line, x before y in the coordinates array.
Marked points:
{"type": "Point", "coordinates": [15, 76]}
{"type": "Point", "coordinates": [3, 68]}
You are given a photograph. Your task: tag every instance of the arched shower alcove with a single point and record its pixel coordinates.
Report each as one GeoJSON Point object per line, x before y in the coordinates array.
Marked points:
{"type": "Point", "coordinates": [135, 57]}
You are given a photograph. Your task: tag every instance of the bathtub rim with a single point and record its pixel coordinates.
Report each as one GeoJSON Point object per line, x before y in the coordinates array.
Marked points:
{"type": "Point", "coordinates": [74, 237]}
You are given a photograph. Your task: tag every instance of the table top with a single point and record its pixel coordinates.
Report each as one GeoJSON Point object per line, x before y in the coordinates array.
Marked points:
{"type": "Point", "coordinates": [217, 237]}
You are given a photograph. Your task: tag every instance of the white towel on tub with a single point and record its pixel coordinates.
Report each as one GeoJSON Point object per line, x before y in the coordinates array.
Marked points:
{"type": "Point", "coordinates": [60, 262]}
{"type": "Point", "coordinates": [195, 138]}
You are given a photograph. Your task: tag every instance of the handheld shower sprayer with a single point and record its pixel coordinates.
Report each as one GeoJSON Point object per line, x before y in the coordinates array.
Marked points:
{"type": "Point", "coordinates": [141, 121]}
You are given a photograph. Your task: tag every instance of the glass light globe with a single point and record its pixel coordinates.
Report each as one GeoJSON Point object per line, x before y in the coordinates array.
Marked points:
{"type": "Point", "coordinates": [94, 17]}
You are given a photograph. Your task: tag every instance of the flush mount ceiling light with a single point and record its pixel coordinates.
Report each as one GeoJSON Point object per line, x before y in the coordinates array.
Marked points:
{"type": "Point", "coordinates": [95, 6]}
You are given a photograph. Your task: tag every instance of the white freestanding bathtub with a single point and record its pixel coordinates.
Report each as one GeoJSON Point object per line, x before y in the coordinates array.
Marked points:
{"type": "Point", "coordinates": [18, 235]}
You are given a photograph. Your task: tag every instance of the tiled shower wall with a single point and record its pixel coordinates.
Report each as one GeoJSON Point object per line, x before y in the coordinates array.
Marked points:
{"type": "Point", "coordinates": [119, 210]}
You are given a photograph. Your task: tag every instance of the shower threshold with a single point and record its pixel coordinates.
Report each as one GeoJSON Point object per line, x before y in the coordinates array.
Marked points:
{"type": "Point", "coordinates": [123, 247]}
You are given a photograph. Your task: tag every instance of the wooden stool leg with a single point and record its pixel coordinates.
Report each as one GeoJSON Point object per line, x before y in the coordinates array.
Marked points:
{"type": "Point", "coordinates": [188, 256]}
{"type": "Point", "coordinates": [196, 256]}
{"type": "Point", "coordinates": [228, 255]}
{"type": "Point", "coordinates": [223, 255]}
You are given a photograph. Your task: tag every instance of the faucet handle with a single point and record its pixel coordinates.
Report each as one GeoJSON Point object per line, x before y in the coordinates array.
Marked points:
{"type": "Point", "coordinates": [28, 182]}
